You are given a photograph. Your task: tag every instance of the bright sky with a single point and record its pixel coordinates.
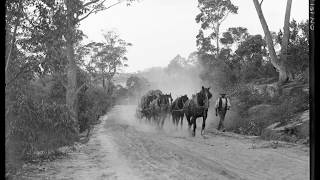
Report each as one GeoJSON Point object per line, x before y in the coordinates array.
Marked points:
{"type": "Point", "coordinates": [161, 29]}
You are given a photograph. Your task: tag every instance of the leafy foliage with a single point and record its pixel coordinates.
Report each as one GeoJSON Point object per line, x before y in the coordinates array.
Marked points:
{"type": "Point", "coordinates": [108, 56]}
{"type": "Point", "coordinates": [247, 62]}
{"type": "Point", "coordinates": [136, 86]}
{"type": "Point", "coordinates": [93, 103]}
{"type": "Point", "coordinates": [38, 38]}
{"type": "Point", "coordinates": [36, 124]}
{"type": "Point", "coordinates": [244, 60]}
{"type": "Point", "coordinates": [298, 47]}
{"type": "Point", "coordinates": [212, 14]}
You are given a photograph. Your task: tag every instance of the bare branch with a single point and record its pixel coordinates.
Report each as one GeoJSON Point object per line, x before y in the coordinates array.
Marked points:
{"type": "Point", "coordinates": [261, 2]}
{"type": "Point", "coordinates": [89, 3]}
{"type": "Point", "coordinates": [78, 90]}
{"type": "Point", "coordinates": [94, 9]}
{"type": "Point", "coordinates": [224, 17]}
{"type": "Point", "coordinates": [86, 83]}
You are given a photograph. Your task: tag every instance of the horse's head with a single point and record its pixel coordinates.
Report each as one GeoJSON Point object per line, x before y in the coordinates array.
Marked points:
{"type": "Point", "coordinates": [203, 96]}
{"type": "Point", "coordinates": [207, 92]}
{"type": "Point", "coordinates": [169, 97]}
{"type": "Point", "coordinates": [163, 99]}
{"type": "Point", "coordinates": [184, 98]}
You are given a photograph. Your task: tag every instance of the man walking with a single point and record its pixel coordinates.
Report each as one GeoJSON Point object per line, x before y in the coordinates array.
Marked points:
{"type": "Point", "coordinates": [222, 105]}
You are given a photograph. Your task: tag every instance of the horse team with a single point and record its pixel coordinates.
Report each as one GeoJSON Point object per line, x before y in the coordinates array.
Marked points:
{"type": "Point", "coordinates": [156, 107]}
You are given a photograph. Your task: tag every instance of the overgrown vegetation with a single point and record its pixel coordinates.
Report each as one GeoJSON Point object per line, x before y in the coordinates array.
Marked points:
{"type": "Point", "coordinates": [244, 66]}
{"type": "Point", "coordinates": [52, 94]}
{"type": "Point", "coordinates": [259, 111]}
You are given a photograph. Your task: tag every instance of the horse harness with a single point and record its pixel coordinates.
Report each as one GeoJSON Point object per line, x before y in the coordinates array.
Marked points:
{"type": "Point", "coordinates": [195, 99]}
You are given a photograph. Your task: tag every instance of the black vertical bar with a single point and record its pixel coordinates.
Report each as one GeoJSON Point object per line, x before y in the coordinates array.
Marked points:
{"type": "Point", "coordinates": [312, 86]}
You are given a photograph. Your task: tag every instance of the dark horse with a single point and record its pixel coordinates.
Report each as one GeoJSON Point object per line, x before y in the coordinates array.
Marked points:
{"type": "Point", "coordinates": [197, 107]}
{"type": "Point", "coordinates": [177, 110]}
{"type": "Point", "coordinates": [146, 107]}
{"type": "Point", "coordinates": [161, 108]}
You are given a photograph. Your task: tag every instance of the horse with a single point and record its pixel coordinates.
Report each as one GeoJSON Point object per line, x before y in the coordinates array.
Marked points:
{"type": "Point", "coordinates": [165, 102]}
{"type": "Point", "coordinates": [197, 107]}
{"type": "Point", "coordinates": [177, 111]}
{"type": "Point", "coordinates": [160, 108]}
{"type": "Point", "coordinates": [169, 97]}
{"type": "Point", "coordinates": [146, 111]}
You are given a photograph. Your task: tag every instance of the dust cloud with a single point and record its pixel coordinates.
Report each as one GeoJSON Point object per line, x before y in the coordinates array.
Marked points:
{"type": "Point", "coordinates": [180, 77]}
{"type": "Point", "coordinates": [178, 83]}
{"type": "Point", "coordinates": [127, 116]}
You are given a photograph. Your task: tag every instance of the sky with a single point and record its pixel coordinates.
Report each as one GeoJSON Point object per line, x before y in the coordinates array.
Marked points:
{"type": "Point", "coordinates": [161, 29]}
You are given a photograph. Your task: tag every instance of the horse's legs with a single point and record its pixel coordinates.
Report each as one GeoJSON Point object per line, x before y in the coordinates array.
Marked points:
{"type": "Point", "coordinates": [203, 124]}
{"type": "Point", "coordinates": [188, 120]}
{"type": "Point", "coordinates": [148, 118]}
{"type": "Point", "coordinates": [157, 120]}
{"type": "Point", "coordinates": [205, 115]}
{"type": "Point", "coordinates": [153, 119]}
{"type": "Point", "coordinates": [176, 121]}
{"type": "Point", "coordinates": [172, 114]}
{"type": "Point", "coordinates": [194, 122]}
{"type": "Point", "coordinates": [181, 119]}
{"type": "Point", "coordinates": [162, 121]}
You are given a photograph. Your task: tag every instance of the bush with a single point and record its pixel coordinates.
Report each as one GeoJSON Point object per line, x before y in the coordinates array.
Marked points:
{"type": "Point", "coordinates": [37, 126]}
{"type": "Point", "coordinates": [57, 92]}
{"type": "Point", "coordinates": [93, 103]}
{"type": "Point", "coordinates": [37, 119]}
{"type": "Point", "coordinates": [281, 109]}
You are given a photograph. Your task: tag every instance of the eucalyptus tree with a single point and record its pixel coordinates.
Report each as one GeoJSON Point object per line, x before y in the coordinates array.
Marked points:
{"type": "Point", "coordinates": [20, 63]}
{"type": "Point", "coordinates": [108, 57]}
{"type": "Point", "coordinates": [231, 39]}
{"type": "Point", "coordinates": [298, 47]}
{"type": "Point", "coordinates": [285, 73]}
{"type": "Point", "coordinates": [234, 35]}
{"type": "Point", "coordinates": [212, 14]}
{"type": "Point", "coordinates": [76, 11]}
{"type": "Point", "coordinates": [137, 86]}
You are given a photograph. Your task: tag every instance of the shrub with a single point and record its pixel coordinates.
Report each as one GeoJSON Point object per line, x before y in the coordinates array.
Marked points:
{"type": "Point", "coordinates": [57, 92]}
{"type": "Point", "coordinates": [37, 119]}
{"type": "Point", "coordinates": [94, 102]}
{"type": "Point", "coordinates": [283, 109]}
{"type": "Point", "coordinates": [34, 126]}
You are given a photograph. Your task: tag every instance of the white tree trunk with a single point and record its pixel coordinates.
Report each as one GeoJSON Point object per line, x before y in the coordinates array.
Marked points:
{"type": "Point", "coordinates": [283, 76]}
{"type": "Point", "coordinates": [285, 39]}
{"type": "Point", "coordinates": [217, 40]}
{"type": "Point", "coordinates": [71, 94]}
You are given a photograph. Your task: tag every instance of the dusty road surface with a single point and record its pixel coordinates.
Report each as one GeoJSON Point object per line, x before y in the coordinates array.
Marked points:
{"type": "Point", "coordinates": [122, 148]}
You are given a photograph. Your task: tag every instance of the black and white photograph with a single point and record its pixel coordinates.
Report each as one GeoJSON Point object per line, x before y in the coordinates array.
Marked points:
{"type": "Point", "coordinates": [159, 89]}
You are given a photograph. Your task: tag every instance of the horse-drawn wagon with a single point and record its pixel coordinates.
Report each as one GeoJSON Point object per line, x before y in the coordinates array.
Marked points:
{"type": "Point", "coordinates": [154, 106]}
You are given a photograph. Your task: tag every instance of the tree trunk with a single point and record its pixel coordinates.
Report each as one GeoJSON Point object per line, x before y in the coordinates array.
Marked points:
{"type": "Point", "coordinates": [71, 94]}
{"type": "Point", "coordinates": [285, 39]}
{"type": "Point", "coordinates": [13, 39]}
{"type": "Point", "coordinates": [283, 75]}
{"type": "Point", "coordinates": [217, 40]}
{"type": "Point", "coordinates": [103, 82]}
{"type": "Point", "coordinates": [109, 91]}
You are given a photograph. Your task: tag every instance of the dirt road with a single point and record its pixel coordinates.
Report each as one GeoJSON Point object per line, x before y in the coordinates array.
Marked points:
{"type": "Point", "coordinates": [123, 148]}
